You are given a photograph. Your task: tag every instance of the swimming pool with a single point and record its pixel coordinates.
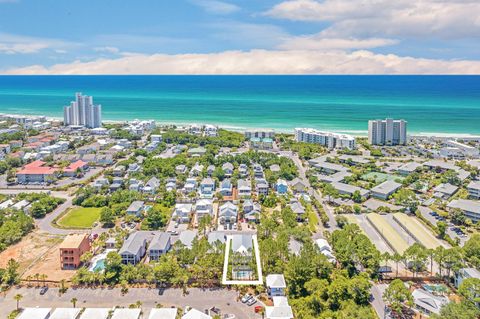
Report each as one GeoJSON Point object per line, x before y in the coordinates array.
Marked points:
{"type": "Point", "coordinates": [99, 266]}
{"type": "Point", "coordinates": [436, 289]}
{"type": "Point", "coordinates": [98, 262]}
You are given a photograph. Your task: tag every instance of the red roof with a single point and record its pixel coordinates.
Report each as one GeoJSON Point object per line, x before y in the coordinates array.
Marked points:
{"type": "Point", "coordinates": [75, 165]}
{"type": "Point", "coordinates": [36, 168]}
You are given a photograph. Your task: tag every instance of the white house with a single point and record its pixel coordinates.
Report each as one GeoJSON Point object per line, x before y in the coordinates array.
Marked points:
{"type": "Point", "coordinates": [182, 212]}
{"type": "Point", "coordinates": [228, 169]}
{"type": "Point", "coordinates": [207, 187]}
{"type": "Point", "coordinates": [465, 273]}
{"type": "Point", "coordinates": [228, 213]}
{"type": "Point", "coordinates": [276, 285]}
{"type": "Point", "coordinates": [244, 188]}
{"type": "Point", "coordinates": [203, 207]}
{"type": "Point", "coordinates": [325, 249]}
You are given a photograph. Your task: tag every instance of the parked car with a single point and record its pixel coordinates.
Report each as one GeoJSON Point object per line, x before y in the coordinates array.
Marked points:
{"type": "Point", "coordinates": [43, 290]}
{"type": "Point", "coordinates": [252, 301]}
{"type": "Point", "coordinates": [246, 298]}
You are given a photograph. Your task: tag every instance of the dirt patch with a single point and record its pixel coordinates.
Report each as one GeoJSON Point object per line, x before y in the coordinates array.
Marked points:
{"type": "Point", "coordinates": [37, 253]}
{"type": "Point", "coordinates": [30, 248]}
{"type": "Point", "coordinates": [49, 264]}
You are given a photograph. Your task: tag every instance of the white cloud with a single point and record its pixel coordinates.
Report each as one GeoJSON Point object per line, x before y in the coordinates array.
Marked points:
{"type": "Point", "coordinates": [319, 42]}
{"type": "Point", "coordinates": [260, 62]}
{"type": "Point", "coordinates": [16, 44]}
{"type": "Point", "coordinates": [256, 35]}
{"type": "Point", "coordinates": [107, 49]}
{"type": "Point", "coordinates": [386, 18]}
{"type": "Point", "coordinates": [217, 7]}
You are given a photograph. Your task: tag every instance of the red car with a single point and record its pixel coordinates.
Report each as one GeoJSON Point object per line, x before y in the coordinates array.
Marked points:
{"type": "Point", "coordinates": [258, 309]}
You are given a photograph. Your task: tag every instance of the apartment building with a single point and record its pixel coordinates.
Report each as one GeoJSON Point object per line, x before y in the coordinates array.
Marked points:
{"type": "Point", "coordinates": [327, 139]}
{"type": "Point", "coordinates": [71, 250]}
{"type": "Point", "coordinates": [83, 112]}
{"type": "Point", "coordinates": [387, 132]}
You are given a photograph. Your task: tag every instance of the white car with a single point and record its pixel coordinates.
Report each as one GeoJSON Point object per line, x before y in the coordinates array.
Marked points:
{"type": "Point", "coordinates": [246, 298]}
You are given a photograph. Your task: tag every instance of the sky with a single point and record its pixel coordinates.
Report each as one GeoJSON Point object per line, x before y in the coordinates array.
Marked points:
{"type": "Point", "coordinates": [240, 37]}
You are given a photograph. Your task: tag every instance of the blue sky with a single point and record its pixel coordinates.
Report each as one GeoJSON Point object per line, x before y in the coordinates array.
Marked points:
{"type": "Point", "coordinates": [244, 36]}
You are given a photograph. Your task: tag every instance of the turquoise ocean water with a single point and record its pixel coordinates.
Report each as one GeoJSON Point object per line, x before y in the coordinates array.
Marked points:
{"type": "Point", "coordinates": [431, 104]}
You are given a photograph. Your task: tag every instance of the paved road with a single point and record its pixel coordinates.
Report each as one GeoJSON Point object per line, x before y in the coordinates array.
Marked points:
{"type": "Point", "coordinates": [197, 298]}
{"type": "Point", "coordinates": [377, 301]}
{"type": "Point", "coordinates": [45, 224]}
{"type": "Point", "coordinates": [374, 236]}
{"type": "Point", "coordinates": [312, 192]}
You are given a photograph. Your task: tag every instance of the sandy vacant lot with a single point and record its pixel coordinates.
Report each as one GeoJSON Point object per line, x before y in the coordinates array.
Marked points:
{"type": "Point", "coordinates": [37, 253]}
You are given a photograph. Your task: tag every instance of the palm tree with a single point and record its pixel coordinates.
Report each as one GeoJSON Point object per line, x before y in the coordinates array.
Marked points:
{"type": "Point", "coordinates": [44, 278]}
{"type": "Point", "coordinates": [74, 301]}
{"type": "Point", "coordinates": [37, 278]}
{"type": "Point", "coordinates": [17, 298]}
{"type": "Point", "coordinates": [63, 289]}
{"type": "Point", "coordinates": [29, 279]}
{"type": "Point", "coordinates": [397, 258]}
{"type": "Point", "coordinates": [431, 255]}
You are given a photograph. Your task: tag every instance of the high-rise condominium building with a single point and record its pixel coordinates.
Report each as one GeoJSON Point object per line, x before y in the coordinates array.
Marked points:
{"type": "Point", "coordinates": [83, 112]}
{"type": "Point", "coordinates": [387, 132]}
{"type": "Point", "coordinates": [328, 139]}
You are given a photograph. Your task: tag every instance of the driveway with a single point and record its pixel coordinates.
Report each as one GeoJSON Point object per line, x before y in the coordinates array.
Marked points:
{"type": "Point", "coordinates": [200, 299]}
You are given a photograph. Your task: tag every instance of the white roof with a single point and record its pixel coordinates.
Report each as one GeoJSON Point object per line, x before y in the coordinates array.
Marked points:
{"type": "Point", "coordinates": [65, 313]}
{"type": "Point", "coordinates": [6, 204]}
{"type": "Point", "coordinates": [95, 313]}
{"type": "Point", "coordinates": [281, 312]}
{"type": "Point", "coordinates": [386, 187]}
{"type": "Point", "coordinates": [126, 313]}
{"type": "Point", "coordinates": [279, 301]}
{"type": "Point", "coordinates": [195, 314]}
{"type": "Point", "coordinates": [429, 301]}
{"type": "Point", "coordinates": [163, 313]}
{"type": "Point", "coordinates": [276, 281]}
{"type": "Point", "coordinates": [323, 244]}
{"type": "Point", "coordinates": [37, 313]}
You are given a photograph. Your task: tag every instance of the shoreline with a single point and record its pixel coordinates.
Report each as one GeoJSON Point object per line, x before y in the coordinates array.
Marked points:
{"type": "Point", "coordinates": [354, 133]}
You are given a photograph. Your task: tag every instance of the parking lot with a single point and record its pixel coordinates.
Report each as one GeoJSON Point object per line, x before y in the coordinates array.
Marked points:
{"type": "Point", "coordinates": [201, 299]}
{"type": "Point", "coordinates": [434, 218]}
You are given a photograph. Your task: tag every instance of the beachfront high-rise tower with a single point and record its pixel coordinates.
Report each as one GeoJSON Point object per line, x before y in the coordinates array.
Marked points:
{"type": "Point", "coordinates": [387, 132]}
{"type": "Point", "coordinates": [83, 112]}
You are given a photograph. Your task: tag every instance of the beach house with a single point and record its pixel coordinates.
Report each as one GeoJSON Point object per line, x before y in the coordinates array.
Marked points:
{"type": "Point", "coordinates": [228, 213]}
{"type": "Point", "coordinates": [160, 244]}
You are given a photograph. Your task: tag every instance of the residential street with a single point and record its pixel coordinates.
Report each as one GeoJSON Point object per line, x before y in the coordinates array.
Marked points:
{"type": "Point", "coordinates": [377, 301]}
{"type": "Point", "coordinates": [316, 195]}
{"type": "Point", "coordinates": [45, 224]}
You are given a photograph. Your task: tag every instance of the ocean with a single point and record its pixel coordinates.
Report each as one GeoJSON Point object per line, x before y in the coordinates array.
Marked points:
{"type": "Point", "coordinates": [430, 104]}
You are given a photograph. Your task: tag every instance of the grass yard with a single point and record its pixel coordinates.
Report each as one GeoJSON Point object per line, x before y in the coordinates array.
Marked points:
{"type": "Point", "coordinates": [312, 221]}
{"type": "Point", "coordinates": [396, 242]}
{"type": "Point", "coordinates": [417, 230]}
{"type": "Point", "coordinates": [381, 177]}
{"type": "Point", "coordinates": [80, 217]}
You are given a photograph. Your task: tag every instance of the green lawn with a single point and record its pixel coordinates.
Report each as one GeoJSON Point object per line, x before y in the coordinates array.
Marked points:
{"type": "Point", "coordinates": [80, 217]}
{"type": "Point", "coordinates": [312, 221]}
{"type": "Point", "coordinates": [381, 177]}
